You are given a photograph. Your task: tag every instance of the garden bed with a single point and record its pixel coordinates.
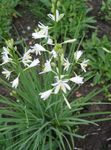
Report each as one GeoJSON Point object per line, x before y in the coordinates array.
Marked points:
{"type": "Point", "coordinates": [98, 137]}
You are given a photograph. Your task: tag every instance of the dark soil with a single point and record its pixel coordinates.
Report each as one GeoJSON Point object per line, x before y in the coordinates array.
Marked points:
{"type": "Point", "coordinates": [103, 27]}
{"type": "Point", "coordinates": [24, 25]}
{"type": "Point", "coordinates": [98, 137]}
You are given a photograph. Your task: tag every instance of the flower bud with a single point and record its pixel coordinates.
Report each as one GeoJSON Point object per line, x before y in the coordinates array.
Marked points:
{"type": "Point", "coordinates": [58, 48]}
{"type": "Point", "coordinates": [58, 4]}
{"type": "Point", "coordinates": [10, 43]}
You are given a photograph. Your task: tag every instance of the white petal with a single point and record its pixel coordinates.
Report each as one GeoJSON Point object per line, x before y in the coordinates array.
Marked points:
{"type": "Point", "coordinates": [15, 82]}
{"type": "Point", "coordinates": [57, 16]}
{"type": "Point", "coordinates": [60, 17]}
{"type": "Point", "coordinates": [84, 65]}
{"type": "Point", "coordinates": [66, 64]}
{"type": "Point", "coordinates": [50, 41]}
{"type": "Point", "coordinates": [51, 16]}
{"type": "Point", "coordinates": [47, 67]}
{"type": "Point", "coordinates": [77, 80]}
{"type": "Point", "coordinates": [54, 54]}
{"type": "Point", "coordinates": [78, 54]}
{"type": "Point", "coordinates": [57, 88]}
{"type": "Point", "coordinates": [46, 94]}
{"type": "Point", "coordinates": [7, 73]}
{"type": "Point", "coordinates": [67, 86]}
{"type": "Point", "coordinates": [63, 88]}
{"type": "Point", "coordinates": [37, 48]}
{"type": "Point", "coordinates": [34, 63]}
{"type": "Point", "coordinates": [69, 41]}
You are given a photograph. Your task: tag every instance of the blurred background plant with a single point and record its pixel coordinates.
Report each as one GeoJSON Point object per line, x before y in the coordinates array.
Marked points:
{"type": "Point", "coordinates": [98, 51]}
{"type": "Point", "coordinates": [76, 19]}
{"type": "Point", "coordinates": [106, 10]}
{"type": "Point", "coordinates": [7, 12]}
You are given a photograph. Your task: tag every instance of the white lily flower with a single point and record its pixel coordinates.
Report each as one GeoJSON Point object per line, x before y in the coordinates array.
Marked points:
{"type": "Point", "coordinates": [43, 33]}
{"type": "Point", "coordinates": [54, 54]}
{"type": "Point", "coordinates": [34, 63]}
{"type": "Point", "coordinates": [78, 54]}
{"type": "Point", "coordinates": [38, 35]}
{"type": "Point", "coordinates": [7, 73]}
{"type": "Point", "coordinates": [37, 48]}
{"type": "Point", "coordinates": [46, 94]}
{"type": "Point", "coordinates": [44, 28]}
{"type": "Point", "coordinates": [5, 58]}
{"type": "Point", "coordinates": [66, 64]}
{"type": "Point", "coordinates": [61, 85]}
{"type": "Point", "coordinates": [47, 67]}
{"type": "Point", "coordinates": [15, 82]}
{"type": "Point", "coordinates": [57, 17]}
{"type": "Point", "coordinates": [50, 41]}
{"type": "Point", "coordinates": [5, 50]}
{"type": "Point", "coordinates": [69, 41]}
{"type": "Point", "coordinates": [26, 59]}
{"type": "Point", "coordinates": [84, 65]}
{"type": "Point", "coordinates": [77, 79]}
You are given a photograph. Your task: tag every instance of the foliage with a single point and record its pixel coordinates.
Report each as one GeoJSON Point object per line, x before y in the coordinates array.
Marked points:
{"type": "Point", "coordinates": [30, 117]}
{"type": "Point", "coordinates": [98, 50]}
{"type": "Point", "coordinates": [6, 12]}
{"type": "Point", "coordinates": [76, 18]}
{"type": "Point", "coordinates": [106, 10]}
{"type": "Point", "coordinates": [38, 8]}
{"type": "Point", "coordinates": [40, 111]}
{"type": "Point", "coordinates": [75, 21]}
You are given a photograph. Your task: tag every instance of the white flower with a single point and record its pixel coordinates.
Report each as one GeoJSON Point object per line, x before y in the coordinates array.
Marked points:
{"type": "Point", "coordinates": [77, 55]}
{"type": "Point", "coordinates": [5, 58]}
{"type": "Point", "coordinates": [54, 54]}
{"type": "Point", "coordinates": [15, 82]}
{"type": "Point", "coordinates": [46, 94]}
{"type": "Point", "coordinates": [42, 26]}
{"type": "Point", "coordinates": [57, 17]}
{"type": "Point", "coordinates": [66, 64]}
{"type": "Point", "coordinates": [50, 41]}
{"type": "Point", "coordinates": [26, 59]}
{"type": "Point", "coordinates": [43, 33]}
{"type": "Point", "coordinates": [84, 65]}
{"type": "Point", "coordinates": [5, 50]}
{"type": "Point", "coordinates": [38, 35]}
{"type": "Point", "coordinates": [34, 63]}
{"type": "Point", "coordinates": [69, 41]}
{"type": "Point", "coordinates": [37, 48]}
{"type": "Point", "coordinates": [61, 85]}
{"type": "Point", "coordinates": [47, 67]}
{"type": "Point", "coordinates": [7, 73]}
{"type": "Point", "coordinates": [77, 79]}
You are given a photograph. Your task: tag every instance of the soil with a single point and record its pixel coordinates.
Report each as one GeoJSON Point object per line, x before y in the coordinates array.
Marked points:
{"type": "Point", "coordinates": [98, 137]}
{"type": "Point", "coordinates": [103, 27]}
